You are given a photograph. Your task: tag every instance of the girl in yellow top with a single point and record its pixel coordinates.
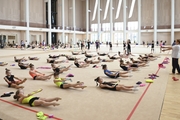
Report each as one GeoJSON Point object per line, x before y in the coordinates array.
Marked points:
{"type": "Point", "coordinates": [60, 82]}
{"type": "Point", "coordinates": [35, 101]}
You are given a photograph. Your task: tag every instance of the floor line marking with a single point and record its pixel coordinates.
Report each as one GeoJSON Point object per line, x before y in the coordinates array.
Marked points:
{"type": "Point", "coordinates": [28, 109]}
{"type": "Point", "coordinates": [138, 102]}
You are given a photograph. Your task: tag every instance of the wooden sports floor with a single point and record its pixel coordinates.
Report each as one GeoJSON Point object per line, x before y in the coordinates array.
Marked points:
{"type": "Point", "coordinates": [159, 100]}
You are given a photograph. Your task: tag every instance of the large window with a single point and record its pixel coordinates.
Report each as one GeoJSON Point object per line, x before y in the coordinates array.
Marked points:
{"type": "Point", "coordinates": [106, 26]}
{"type": "Point", "coordinates": [133, 25]}
{"type": "Point", "coordinates": [94, 37]}
{"type": "Point", "coordinates": [106, 37]}
{"type": "Point", "coordinates": [132, 37]}
{"type": "Point", "coordinates": [118, 37]}
{"type": "Point", "coordinates": [118, 26]}
{"type": "Point", "coordinates": [94, 27]}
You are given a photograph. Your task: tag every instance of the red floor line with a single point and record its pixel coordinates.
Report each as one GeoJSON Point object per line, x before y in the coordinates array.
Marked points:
{"type": "Point", "coordinates": [138, 102]}
{"type": "Point", "coordinates": [26, 108]}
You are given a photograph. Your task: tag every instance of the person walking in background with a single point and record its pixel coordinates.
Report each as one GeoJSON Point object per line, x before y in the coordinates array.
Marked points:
{"type": "Point", "coordinates": [88, 44]}
{"type": "Point", "coordinates": [175, 56]}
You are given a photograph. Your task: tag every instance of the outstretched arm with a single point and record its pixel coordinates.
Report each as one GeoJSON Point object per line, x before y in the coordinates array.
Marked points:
{"type": "Point", "coordinates": [167, 49]}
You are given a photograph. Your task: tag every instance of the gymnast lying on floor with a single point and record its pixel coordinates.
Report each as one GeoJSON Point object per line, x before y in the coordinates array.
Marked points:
{"type": "Point", "coordinates": [114, 86]}
{"type": "Point", "coordinates": [114, 74]}
{"type": "Point", "coordinates": [35, 101]}
{"type": "Point", "coordinates": [80, 64]}
{"type": "Point", "coordinates": [60, 82]}
{"type": "Point", "coordinates": [61, 69]}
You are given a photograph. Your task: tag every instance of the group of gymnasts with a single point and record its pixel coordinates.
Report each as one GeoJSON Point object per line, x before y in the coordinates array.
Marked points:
{"type": "Point", "coordinates": [15, 82]}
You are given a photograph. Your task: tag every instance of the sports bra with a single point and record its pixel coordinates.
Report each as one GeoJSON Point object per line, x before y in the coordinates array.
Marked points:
{"type": "Point", "coordinates": [77, 64]}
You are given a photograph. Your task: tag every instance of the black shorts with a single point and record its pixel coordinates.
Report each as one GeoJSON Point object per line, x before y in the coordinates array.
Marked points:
{"type": "Point", "coordinates": [114, 76]}
{"type": "Point", "coordinates": [34, 78]}
{"type": "Point", "coordinates": [134, 65]}
{"type": "Point", "coordinates": [103, 60]}
{"type": "Point", "coordinates": [51, 61]}
{"type": "Point", "coordinates": [32, 100]}
{"type": "Point", "coordinates": [77, 65]}
{"type": "Point", "coordinates": [22, 67]}
{"type": "Point", "coordinates": [62, 85]}
{"type": "Point", "coordinates": [88, 56]}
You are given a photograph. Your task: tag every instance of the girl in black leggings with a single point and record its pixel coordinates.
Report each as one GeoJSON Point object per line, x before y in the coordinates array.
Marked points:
{"type": "Point", "coordinates": [114, 86]}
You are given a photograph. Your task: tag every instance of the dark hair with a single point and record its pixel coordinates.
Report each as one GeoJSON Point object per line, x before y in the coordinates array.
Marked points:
{"type": "Point", "coordinates": [16, 95]}
{"type": "Point", "coordinates": [7, 70]}
{"type": "Point", "coordinates": [31, 65]}
{"type": "Point", "coordinates": [57, 70]}
{"type": "Point", "coordinates": [104, 66]}
{"type": "Point", "coordinates": [121, 60]}
{"type": "Point", "coordinates": [97, 79]}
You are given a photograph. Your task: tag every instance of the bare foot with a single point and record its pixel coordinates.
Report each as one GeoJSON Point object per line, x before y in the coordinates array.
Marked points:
{"type": "Point", "coordinates": [84, 87]}
{"type": "Point", "coordinates": [55, 104]}
{"type": "Point", "coordinates": [57, 99]}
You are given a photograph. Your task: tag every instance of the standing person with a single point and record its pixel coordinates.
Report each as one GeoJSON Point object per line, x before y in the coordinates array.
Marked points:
{"type": "Point", "coordinates": [22, 44]}
{"type": "Point", "coordinates": [143, 43]}
{"type": "Point", "coordinates": [152, 47]}
{"type": "Point", "coordinates": [128, 47]}
{"type": "Point", "coordinates": [174, 43]}
{"type": "Point", "coordinates": [175, 56]}
{"type": "Point", "coordinates": [124, 47]}
{"type": "Point", "coordinates": [110, 46]}
{"type": "Point", "coordinates": [157, 43]}
{"type": "Point", "coordinates": [43, 44]}
{"type": "Point", "coordinates": [88, 44]}
{"type": "Point", "coordinates": [161, 45]}
{"type": "Point", "coordinates": [97, 45]}
{"type": "Point", "coordinates": [82, 45]}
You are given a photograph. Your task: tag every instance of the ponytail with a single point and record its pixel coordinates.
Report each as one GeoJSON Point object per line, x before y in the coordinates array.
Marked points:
{"type": "Point", "coordinates": [16, 95]}
{"type": "Point", "coordinates": [96, 80]}
{"type": "Point", "coordinates": [7, 70]}
{"type": "Point", "coordinates": [31, 65]}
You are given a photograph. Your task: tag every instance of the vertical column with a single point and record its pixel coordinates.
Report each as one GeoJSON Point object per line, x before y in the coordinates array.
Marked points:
{"type": "Point", "coordinates": [74, 22]}
{"type": "Point", "coordinates": [172, 21]}
{"type": "Point", "coordinates": [155, 21]}
{"type": "Point", "coordinates": [124, 20]}
{"type": "Point", "coordinates": [99, 25]}
{"type": "Point", "coordinates": [87, 19]}
{"type": "Point", "coordinates": [27, 21]}
{"type": "Point", "coordinates": [139, 22]}
{"type": "Point", "coordinates": [49, 23]}
{"type": "Point", "coordinates": [63, 24]}
{"type": "Point", "coordinates": [111, 21]}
